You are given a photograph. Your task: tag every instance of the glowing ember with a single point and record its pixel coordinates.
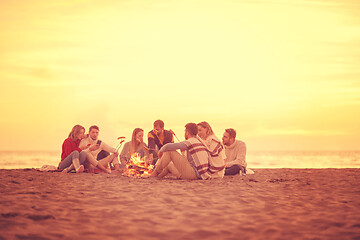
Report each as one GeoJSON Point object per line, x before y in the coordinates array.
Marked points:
{"type": "Point", "coordinates": [137, 167]}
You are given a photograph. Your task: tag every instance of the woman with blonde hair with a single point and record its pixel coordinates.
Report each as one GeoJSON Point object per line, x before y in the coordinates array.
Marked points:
{"type": "Point", "coordinates": [72, 156]}
{"type": "Point", "coordinates": [204, 130]}
{"type": "Point", "coordinates": [214, 144]}
{"type": "Point", "coordinates": [136, 145]}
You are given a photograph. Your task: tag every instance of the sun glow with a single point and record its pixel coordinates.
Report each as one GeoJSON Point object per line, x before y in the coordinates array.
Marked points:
{"type": "Point", "coordinates": [265, 68]}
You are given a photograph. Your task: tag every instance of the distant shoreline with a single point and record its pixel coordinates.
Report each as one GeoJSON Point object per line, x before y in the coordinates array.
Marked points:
{"type": "Point", "coordinates": [255, 159]}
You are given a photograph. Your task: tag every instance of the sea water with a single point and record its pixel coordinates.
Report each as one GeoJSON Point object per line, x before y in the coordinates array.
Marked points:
{"type": "Point", "coordinates": [255, 159]}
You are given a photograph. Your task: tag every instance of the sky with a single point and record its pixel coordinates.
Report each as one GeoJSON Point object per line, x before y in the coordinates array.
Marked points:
{"type": "Point", "coordinates": [284, 74]}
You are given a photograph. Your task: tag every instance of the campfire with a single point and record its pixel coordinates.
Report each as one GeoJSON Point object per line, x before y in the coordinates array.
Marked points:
{"type": "Point", "coordinates": [137, 167]}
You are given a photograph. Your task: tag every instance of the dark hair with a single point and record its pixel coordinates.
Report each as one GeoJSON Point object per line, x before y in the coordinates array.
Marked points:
{"type": "Point", "coordinates": [159, 123]}
{"type": "Point", "coordinates": [94, 127]}
{"type": "Point", "coordinates": [192, 128]}
{"type": "Point", "coordinates": [231, 132]}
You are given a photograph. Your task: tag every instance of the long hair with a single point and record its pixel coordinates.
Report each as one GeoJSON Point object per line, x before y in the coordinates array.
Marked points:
{"type": "Point", "coordinates": [75, 131]}
{"type": "Point", "coordinates": [134, 141]}
{"type": "Point", "coordinates": [206, 125]}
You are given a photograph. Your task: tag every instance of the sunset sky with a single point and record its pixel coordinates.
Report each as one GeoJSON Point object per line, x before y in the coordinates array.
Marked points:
{"type": "Point", "coordinates": [284, 73]}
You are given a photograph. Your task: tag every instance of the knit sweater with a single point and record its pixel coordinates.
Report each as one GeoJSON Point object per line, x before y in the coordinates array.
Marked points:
{"type": "Point", "coordinates": [125, 154]}
{"type": "Point", "coordinates": [68, 147]}
{"type": "Point", "coordinates": [215, 147]}
{"type": "Point", "coordinates": [103, 146]}
{"type": "Point", "coordinates": [208, 162]}
{"type": "Point", "coordinates": [236, 154]}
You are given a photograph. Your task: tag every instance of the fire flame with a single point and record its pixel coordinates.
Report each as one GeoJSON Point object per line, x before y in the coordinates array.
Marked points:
{"type": "Point", "coordinates": [137, 166]}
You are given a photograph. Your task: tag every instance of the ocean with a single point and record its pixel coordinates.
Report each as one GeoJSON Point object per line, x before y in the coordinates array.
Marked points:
{"type": "Point", "coordinates": [255, 159]}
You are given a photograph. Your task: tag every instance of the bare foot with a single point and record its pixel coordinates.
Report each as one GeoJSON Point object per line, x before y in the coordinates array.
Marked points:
{"type": "Point", "coordinates": [108, 170]}
{"type": "Point", "coordinates": [64, 171]}
{"type": "Point", "coordinates": [80, 169]}
{"type": "Point", "coordinates": [153, 174]}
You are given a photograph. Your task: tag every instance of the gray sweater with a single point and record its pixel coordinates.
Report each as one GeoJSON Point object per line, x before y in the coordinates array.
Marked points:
{"type": "Point", "coordinates": [236, 154]}
{"type": "Point", "coordinates": [125, 153]}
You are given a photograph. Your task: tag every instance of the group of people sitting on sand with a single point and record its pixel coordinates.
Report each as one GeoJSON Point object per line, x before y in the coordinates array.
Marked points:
{"type": "Point", "coordinates": [203, 155]}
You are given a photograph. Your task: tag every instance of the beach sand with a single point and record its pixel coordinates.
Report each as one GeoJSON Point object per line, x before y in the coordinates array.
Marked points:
{"type": "Point", "coordinates": [271, 204]}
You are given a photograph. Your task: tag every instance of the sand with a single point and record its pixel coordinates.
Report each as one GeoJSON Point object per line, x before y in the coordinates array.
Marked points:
{"type": "Point", "coordinates": [271, 204]}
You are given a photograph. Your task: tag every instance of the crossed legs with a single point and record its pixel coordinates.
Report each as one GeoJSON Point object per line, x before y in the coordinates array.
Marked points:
{"type": "Point", "coordinates": [175, 163]}
{"type": "Point", "coordinates": [103, 164]}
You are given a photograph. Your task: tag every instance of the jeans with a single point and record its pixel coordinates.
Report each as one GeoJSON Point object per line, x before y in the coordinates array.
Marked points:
{"type": "Point", "coordinates": [102, 154]}
{"type": "Point", "coordinates": [69, 159]}
{"type": "Point", "coordinates": [235, 169]}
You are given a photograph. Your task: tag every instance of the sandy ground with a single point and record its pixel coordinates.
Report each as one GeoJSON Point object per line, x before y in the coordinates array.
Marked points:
{"type": "Point", "coordinates": [271, 204]}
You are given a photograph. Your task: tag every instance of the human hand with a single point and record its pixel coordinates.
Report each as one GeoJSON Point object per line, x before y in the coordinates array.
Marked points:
{"type": "Point", "coordinates": [94, 147]}
{"type": "Point", "coordinates": [85, 147]}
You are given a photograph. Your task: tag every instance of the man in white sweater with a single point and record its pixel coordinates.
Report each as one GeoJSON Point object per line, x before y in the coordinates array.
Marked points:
{"type": "Point", "coordinates": [235, 151]}
{"type": "Point", "coordinates": [98, 145]}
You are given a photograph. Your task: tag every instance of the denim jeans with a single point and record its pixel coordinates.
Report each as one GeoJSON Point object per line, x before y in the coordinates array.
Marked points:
{"type": "Point", "coordinates": [235, 169]}
{"type": "Point", "coordinates": [69, 159]}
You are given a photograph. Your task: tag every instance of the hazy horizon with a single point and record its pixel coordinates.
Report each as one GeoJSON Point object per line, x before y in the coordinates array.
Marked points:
{"type": "Point", "coordinates": [254, 159]}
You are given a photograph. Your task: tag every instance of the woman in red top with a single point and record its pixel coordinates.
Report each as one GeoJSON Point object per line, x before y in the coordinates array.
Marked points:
{"type": "Point", "coordinates": [72, 156]}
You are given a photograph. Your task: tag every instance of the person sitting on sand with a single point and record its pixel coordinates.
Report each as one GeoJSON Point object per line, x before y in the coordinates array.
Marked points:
{"type": "Point", "coordinates": [136, 145]}
{"type": "Point", "coordinates": [158, 137]}
{"type": "Point", "coordinates": [198, 164]}
{"type": "Point", "coordinates": [235, 151]}
{"type": "Point", "coordinates": [72, 156]}
{"type": "Point", "coordinates": [96, 147]}
{"type": "Point", "coordinates": [212, 142]}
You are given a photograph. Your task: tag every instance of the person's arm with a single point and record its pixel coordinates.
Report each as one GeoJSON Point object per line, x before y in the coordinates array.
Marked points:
{"type": "Point", "coordinates": [107, 148]}
{"type": "Point", "coordinates": [172, 137]}
{"type": "Point", "coordinates": [145, 150]}
{"type": "Point", "coordinates": [68, 147]}
{"type": "Point", "coordinates": [124, 153]}
{"type": "Point", "coordinates": [151, 143]}
{"type": "Point", "coordinates": [84, 144]}
{"type": "Point", "coordinates": [173, 147]}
